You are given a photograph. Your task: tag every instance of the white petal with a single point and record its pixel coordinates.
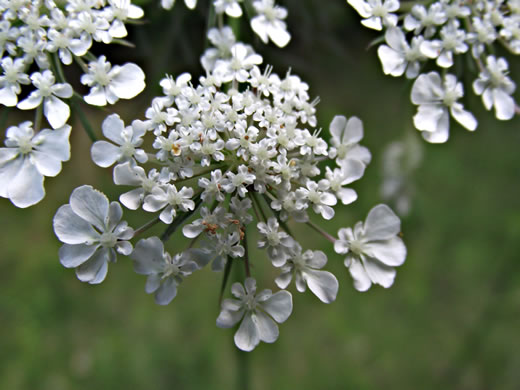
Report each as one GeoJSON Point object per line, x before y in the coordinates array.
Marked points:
{"type": "Point", "coordinates": [71, 229]}
{"type": "Point", "coordinates": [72, 256]}
{"type": "Point", "coordinates": [54, 142]}
{"type": "Point", "coordinates": [166, 292]}
{"type": "Point", "coordinates": [153, 282]}
{"type": "Point", "coordinates": [229, 318]}
{"type": "Point", "coordinates": [465, 118]}
{"type": "Point", "coordinates": [46, 164]}
{"type": "Point", "coordinates": [91, 205]}
{"type": "Point", "coordinates": [247, 337]}
{"type": "Point", "coordinates": [104, 154]}
{"type": "Point", "coordinates": [62, 90]}
{"type": "Point", "coordinates": [504, 104]}
{"type": "Point", "coordinates": [113, 126]}
{"type": "Point", "coordinates": [259, 27]}
{"type": "Point", "coordinates": [132, 199]}
{"type": "Point", "coordinates": [279, 306]}
{"type": "Point", "coordinates": [32, 101]}
{"type": "Point", "coordinates": [101, 274]}
{"type": "Point", "coordinates": [125, 174]}
{"type": "Point", "coordinates": [8, 97]}
{"type": "Point", "coordinates": [393, 62]}
{"type": "Point", "coordinates": [391, 252]}
{"type": "Point", "coordinates": [381, 223]}
{"type": "Point", "coordinates": [56, 111]}
{"type": "Point", "coordinates": [346, 195]}
{"type": "Point", "coordinates": [267, 328]}
{"type": "Point", "coordinates": [338, 124]}
{"type": "Point", "coordinates": [148, 256]}
{"type": "Point", "coordinates": [10, 165]}
{"type": "Point", "coordinates": [357, 271]}
{"type": "Point", "coordinates": [379, 273]}
{"type": "Point", "coordinates": [96, 97]}
{"type": "Point", "coordinates": [88, 271]}
{"type": "Point", "coordinates": [428, 117]}
{"type": "Point", "coordinates": [279, 35]}
{"type": "Point", "coordinates": [323, 284]}
{"type": "Point", "coordinates": [129, 82]}
{"type": "Point", "coordinates": [26, 188]}
{"type": "Point", "coordinates": [353, 131]}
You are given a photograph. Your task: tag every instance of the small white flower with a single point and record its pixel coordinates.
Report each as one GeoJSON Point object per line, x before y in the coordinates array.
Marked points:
{"type": "Point", "coordinates": [129, 174]}
{"type": "Point", "coordinates": [164, 272]}
{"type": "Point", "coordinates": [259, 314]}
{"type": "Point", "coordinates": [437, 99]}
{"type": "Point", "coordinates": [345, 140]}
{"type": "Point", "coordinates": [91, 231]}
{"type": "Point", "coordinates": [27, 158]}
{"type": "Point", "coordinates": [377, 13]}
{"type": "Point", "coordinates": [109, 84]}
{"type": "Point", "coordinates": [268, 24]}
{"type": "Point", "coordinates": [373, 248]}
{"type": "Point", "coordinates": [11, 79]}
{"type": "Point", "coordinates": [398, 56]}
{"type": "Point", "coordinates": [127, 140]}
{"type": "Point", "coordinates": [277, 243]}
{"type": "Point", "coordinates": [230, 7]}
{"type": "Point", "coordinates": [168, 4]}
{"type": "Point", "coordinates": [496, 88]}
{"type": "Point", "coordinates": [55, 110]}
{"type": "Point", "coordinates": [305, 267]}
{"type": "Point", "coordinates": [170, 199]}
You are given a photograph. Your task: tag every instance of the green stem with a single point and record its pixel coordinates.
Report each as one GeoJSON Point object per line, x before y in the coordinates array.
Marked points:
{"type": "Point", "coordinates": [83, 119]}
{"type": "Point", "coordinates": [38, 118]}
{"type": "Point", "coordinates": [321, 231]}
{"type": "Point", "coordinates": [145, 227]}
{"type": "Point", "coordinates": [246, 257]}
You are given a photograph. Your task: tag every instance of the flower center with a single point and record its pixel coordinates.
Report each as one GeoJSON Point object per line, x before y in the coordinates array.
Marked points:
{"type": "Point", "coordinates": [108, 239]}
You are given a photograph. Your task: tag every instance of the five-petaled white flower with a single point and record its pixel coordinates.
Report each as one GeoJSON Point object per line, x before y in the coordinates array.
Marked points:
{"type": "Point", "coordinates": [306, 269]}
{"type": "Point", "coordinates": [496, 88]}
{"type": "Point", "coordinates": [55, 110]}
{"type": "Point", "coordinates": [437, 99]}
{"type": "Point", "coordinates": [128, 138]}
{"type": "Point", "coordinates": [259, 314]}
{"type": "Point", "coordinates": [91, 229]}
{"type": "Point", "coordinates": [111, 83]}
{"type": "Point", "coordinates": [164, 272]}
{"type": "Point", "coordinates": [269, 24]}
{"type": "Point", "coordinates": [373, 248]}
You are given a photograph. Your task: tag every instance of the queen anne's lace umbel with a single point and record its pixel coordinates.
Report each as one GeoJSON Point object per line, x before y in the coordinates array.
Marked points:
{"type": "Point", "coordinates": [446, 31]}
{"type": "Point", "coordinates": [235, 153]}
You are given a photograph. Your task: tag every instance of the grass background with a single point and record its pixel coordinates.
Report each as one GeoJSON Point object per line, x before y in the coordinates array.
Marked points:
{"type": "Point", "coordinates": [450, 321]}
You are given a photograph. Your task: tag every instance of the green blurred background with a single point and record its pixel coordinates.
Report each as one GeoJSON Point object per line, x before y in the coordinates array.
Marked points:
{"type": "Point", "coordinates": [451, 320]}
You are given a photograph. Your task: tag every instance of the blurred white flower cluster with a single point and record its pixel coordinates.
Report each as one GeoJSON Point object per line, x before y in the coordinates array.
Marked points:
{"type": "Point", "coordinates": [36, 39]}
{"type": "Point", "coordinates": [231, 162]}
{"type": "Point", "coordinates": [267, 22]}
{"type": "Point", "coordinates": [462, 38]}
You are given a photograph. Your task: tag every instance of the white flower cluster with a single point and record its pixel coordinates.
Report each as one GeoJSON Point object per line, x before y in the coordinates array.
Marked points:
{"type": "Point", "coordinates": [234, 153]}
{"type": "Point", "coordinates": [45, 35]}
{"type": "Point", "coordinates": [446, 31]}
{"type": "Point", "coordinates": [268, 22]}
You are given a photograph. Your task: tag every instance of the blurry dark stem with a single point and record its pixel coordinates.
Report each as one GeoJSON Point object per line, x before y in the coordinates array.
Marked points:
{"type": "Point", "coordinates": [38, 118]}
{"type": "Point", "coordinates": [83, 118]}
{"type": "Point", "coordinates": [321, 231]}
{"type": "Point", "coordinates": [146, 226]}
{"type": "Point", "coordinates": [258, 206]}
{"type": "Point", "coordinates": [517, 109]}
{"type": "Point", "coordinates": [243, 382]}
{"type": "Point", "coordinates": [246, 257]}
{"type": "Point", "coordinates": [3, 117]}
